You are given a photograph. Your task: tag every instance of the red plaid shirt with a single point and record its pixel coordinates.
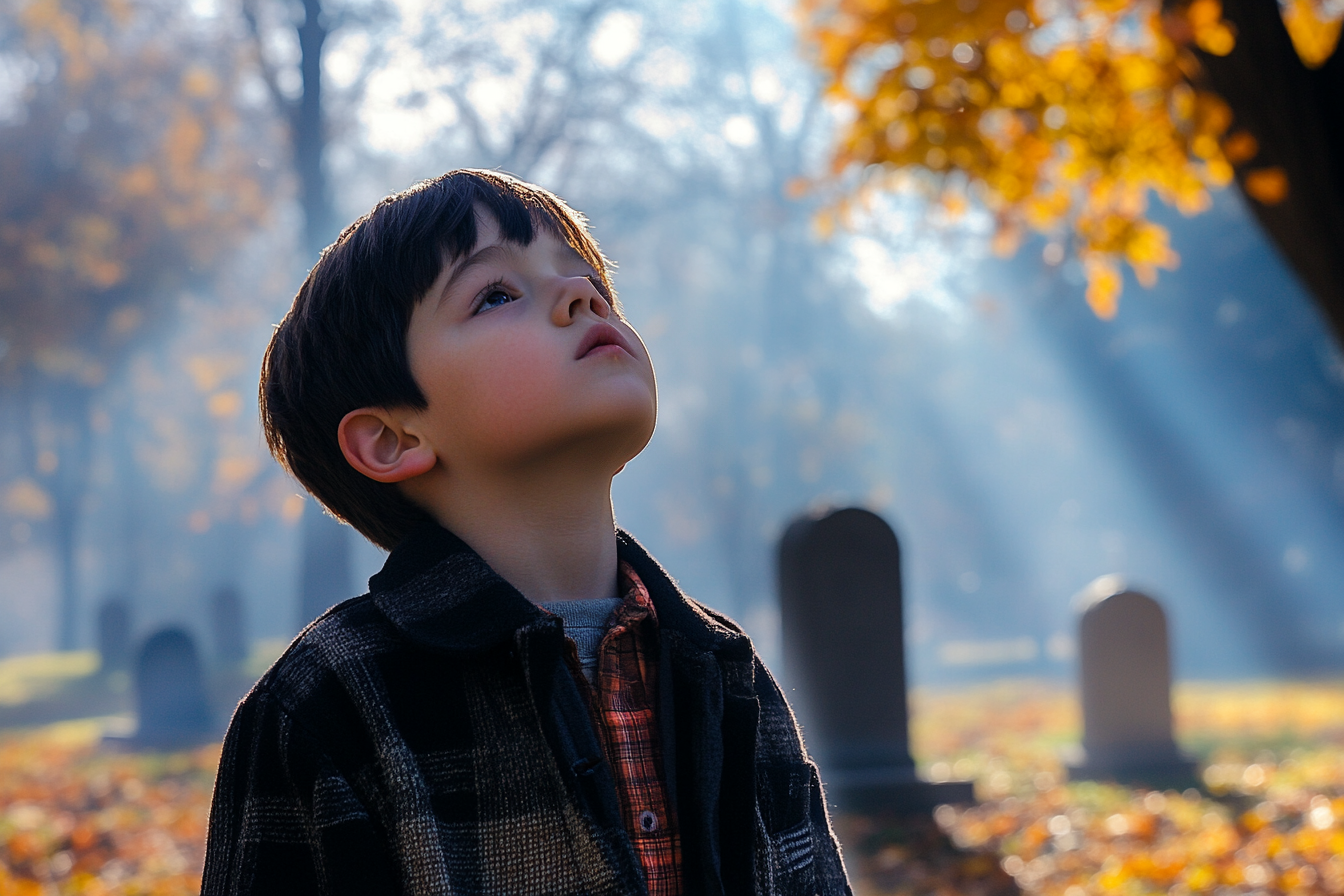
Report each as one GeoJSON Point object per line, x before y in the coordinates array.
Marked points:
{"type": "Point", "coordinates": [623, 705]}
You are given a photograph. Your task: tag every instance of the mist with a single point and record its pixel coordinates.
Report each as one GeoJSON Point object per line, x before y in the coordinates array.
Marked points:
{"type": "Point", "coordinates": [1021, 447]}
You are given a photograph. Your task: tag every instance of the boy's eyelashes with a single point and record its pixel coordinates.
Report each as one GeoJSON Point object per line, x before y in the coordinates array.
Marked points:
{"type": "Point", "coordinates": [492, 296]}
{"type": "Point", "coordinates": [498, 293]}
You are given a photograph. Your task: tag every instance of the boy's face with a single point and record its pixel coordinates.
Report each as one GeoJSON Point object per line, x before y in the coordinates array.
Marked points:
{"type": "Point", "coordinates": [523, 360]}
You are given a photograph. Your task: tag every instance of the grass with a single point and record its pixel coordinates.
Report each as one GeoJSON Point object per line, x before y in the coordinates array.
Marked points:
{"type": "Point", "coordinates": [24, 679]}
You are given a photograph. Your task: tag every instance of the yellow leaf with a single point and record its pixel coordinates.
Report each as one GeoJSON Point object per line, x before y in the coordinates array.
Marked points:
{"type": "Point", "coordinates": [1216, 39]}
{"type": "Point", "coordinates": [1202, 13]}
{"type": "Point", "coordinates": [1314, 34]}
{"type": "Point", "coordinates": [1103, 287]}
{"type": "Point", "coordinates": [1220, 173]}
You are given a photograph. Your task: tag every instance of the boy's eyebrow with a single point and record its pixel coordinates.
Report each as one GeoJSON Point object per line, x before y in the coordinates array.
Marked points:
{"type": "Point", "coordinates": [484, 256]}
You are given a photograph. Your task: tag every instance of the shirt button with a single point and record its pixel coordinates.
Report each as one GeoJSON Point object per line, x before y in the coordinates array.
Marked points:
{"type": "Point", "coordinates": [648, 822]}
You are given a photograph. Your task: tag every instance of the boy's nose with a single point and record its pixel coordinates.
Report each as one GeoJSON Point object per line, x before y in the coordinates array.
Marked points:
{"type": "Point", "coordinates": [577, 294]}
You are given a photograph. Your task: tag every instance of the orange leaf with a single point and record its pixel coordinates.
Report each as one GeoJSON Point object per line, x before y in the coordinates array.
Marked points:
{"type": "Point", "coordinates": [1268, 186]}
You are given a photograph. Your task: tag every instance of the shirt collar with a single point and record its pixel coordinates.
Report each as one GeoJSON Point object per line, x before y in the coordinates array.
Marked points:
{"type": "Point", "coordinates": [636, 605]}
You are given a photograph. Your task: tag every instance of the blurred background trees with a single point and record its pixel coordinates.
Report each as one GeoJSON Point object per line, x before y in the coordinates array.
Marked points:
{"type": "Point", "coordinates": [295, 84]}
{"type": "Point", "coordinates": [1022, 447]}
{"type": "Point", "coordinates": [124, 182]}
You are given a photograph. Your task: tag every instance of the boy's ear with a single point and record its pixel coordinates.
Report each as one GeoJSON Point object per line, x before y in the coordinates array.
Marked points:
{"type": "Point", "coordinates": [376, 443]}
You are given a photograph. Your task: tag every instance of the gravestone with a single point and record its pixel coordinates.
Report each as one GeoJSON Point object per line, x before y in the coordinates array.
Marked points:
{"type": "Point", "coordinates": [114, 635]}
{"type": "Point", "coordinates": [228, 626]}
{"type": "Point", "coordinates": [174, 711]}
{"type": "Point", "coordinates": [1125, 684]}
{"type": "Point", "coordinates": [844, 640]}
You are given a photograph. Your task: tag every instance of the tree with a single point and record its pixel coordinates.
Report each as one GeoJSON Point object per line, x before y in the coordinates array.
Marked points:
{"type": "Point", "coordinates": [1064, 117]}
{"type": "Point", "coordinates": [123, 178]}
{"type": "Point", "coordinates": [324, 576]}
{"type": "Point", "coordinates": [1285, 83]}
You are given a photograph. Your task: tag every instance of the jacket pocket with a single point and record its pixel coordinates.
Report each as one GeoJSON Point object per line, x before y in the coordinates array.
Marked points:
{"type": "Point", "coordinates": [783, 797]}
{"type": "Point", "coordinates": [784, 794]}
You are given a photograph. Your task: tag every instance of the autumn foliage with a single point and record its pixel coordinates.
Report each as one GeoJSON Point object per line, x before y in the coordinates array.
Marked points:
{"type": "Point", "coordinates": [78, 818]}
{"type": "Point", "coordinates": [125, 171]}
{"type": "Point", "coordinates": [1270, 819]}
{"type": "Point", "coordinates": [1060, 116]}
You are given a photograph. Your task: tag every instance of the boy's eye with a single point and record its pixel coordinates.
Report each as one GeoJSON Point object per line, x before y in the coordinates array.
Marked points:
{"type": "Point", "coordinates": [493, 298]}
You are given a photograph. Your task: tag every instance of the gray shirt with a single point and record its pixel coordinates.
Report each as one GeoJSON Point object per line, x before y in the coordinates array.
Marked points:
{"type": "Point", "coordinates": [586, 621]}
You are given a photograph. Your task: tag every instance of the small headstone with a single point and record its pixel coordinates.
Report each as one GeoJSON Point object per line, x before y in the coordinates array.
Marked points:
{"type": "Point", "coordinates": [844, 640]}
{"type": "Point", "coordinates": [114, 635]}
{"type": "Point", "coordinates": [1125, 684]}
{"type": "Point", "coordinates": [170, 694]}
{"type": "Point", "coordinates": [228, 626]}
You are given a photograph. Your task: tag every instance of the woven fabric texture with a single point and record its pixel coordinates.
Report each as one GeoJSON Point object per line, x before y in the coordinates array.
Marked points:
{"type": "Point", "coordinates": [429, 738]}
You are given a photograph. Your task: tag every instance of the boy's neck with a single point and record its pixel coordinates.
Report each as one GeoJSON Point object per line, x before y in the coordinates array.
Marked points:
{"type": "Point", "coordinates": [551, 537]}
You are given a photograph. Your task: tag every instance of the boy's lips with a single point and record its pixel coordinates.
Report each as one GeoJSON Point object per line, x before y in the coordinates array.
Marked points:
{"type": "Point", "coordinates": [599, 335]}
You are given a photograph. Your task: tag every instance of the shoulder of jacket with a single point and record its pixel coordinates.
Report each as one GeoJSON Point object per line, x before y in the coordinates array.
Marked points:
{"type": "Point", "coordinates": [347, 633]}
{"type": "Point", "coordinates": [714, 617]}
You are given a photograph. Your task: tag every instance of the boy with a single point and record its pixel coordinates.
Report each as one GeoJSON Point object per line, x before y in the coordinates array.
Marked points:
{"type": "Point", "coordinates": [455, 381]}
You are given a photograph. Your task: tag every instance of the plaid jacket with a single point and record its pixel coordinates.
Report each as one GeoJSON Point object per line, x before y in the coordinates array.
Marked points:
{"type": "Point", "coordinates": [427, 738]}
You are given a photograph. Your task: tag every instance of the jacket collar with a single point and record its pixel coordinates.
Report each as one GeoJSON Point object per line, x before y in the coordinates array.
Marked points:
{"type": "Point", "coordinates": [439, 592]}
{"type": "Point", "coordinates": [674, 611]}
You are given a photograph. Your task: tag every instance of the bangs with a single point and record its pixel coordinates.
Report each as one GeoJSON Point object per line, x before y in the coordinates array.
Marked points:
{"type": "Point", "coordinates": [520, 210]}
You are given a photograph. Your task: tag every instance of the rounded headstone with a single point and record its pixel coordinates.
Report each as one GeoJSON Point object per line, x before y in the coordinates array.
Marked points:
{"type": "Point", "coordinates": [840, 605]}
{"type": "Point", "coordinates": [844, 639]}
{"type": "Point", "coordinates": [170, 691]}
{"type": "Point", "coordinates": [1125, 683]}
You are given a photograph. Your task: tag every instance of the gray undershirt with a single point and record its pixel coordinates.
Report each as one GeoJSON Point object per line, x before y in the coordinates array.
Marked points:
{"type": "Point", "coordinates": [586, 621]}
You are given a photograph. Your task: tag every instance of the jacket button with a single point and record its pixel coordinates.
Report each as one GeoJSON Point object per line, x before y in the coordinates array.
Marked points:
{"type": "Point", "coordinates": [648, 822]}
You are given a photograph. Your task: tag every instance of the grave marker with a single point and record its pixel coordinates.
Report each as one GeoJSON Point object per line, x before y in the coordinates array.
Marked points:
{"type": "Point", "coordinates": [228, 626]}
{"type": "Point", "coordinates": [840, 601]}
{"type": "Point", "coordinates": [174, 711]}
{"type": "Point", "coordinates": [1125, 687]}
{"type": "Point", "coordinates": [114, 635]}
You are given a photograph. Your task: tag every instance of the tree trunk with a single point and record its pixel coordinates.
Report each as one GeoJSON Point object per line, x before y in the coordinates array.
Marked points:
{"type": "Point", "coordinates": [325, 570]}
{"type": "Point", "coordinates": [1297, 117]}
{"type": "Point", "coordinates": [68, 407]}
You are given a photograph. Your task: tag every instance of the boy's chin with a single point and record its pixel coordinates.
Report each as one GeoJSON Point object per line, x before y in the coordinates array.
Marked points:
{"type": "Point", "coordinates": [606, 441]}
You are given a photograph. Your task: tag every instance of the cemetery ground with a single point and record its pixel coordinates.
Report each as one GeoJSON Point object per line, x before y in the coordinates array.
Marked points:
{"type": "Point", "coordinates": [79, 818]}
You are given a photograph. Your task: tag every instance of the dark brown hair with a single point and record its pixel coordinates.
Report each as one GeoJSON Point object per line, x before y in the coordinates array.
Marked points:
{"type": "Point", "coordinates": [342, 345]}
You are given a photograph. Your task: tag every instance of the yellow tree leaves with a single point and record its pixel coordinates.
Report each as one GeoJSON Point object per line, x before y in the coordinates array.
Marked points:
{"type": "Point", "coordinates": [1060, 117]}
